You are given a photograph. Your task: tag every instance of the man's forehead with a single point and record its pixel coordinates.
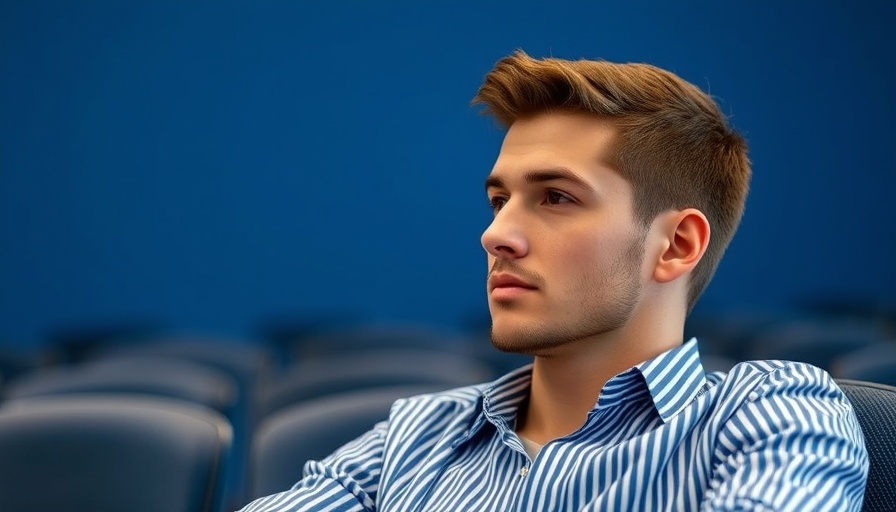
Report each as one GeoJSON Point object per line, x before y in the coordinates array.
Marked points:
{"type": "Point", "coordinates": [566, 140]}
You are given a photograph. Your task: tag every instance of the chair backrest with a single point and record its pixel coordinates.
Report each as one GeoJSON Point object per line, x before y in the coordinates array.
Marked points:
{"type": "Point", "coordinates": [106, 453]}
{"type": "Point", "coordinates": [246, 364]}
{"type": "Point", "coordinates": [875, 407]}
{"type": "Point", "coordinates": [366, 338]}
{"type": "Point", "coordinates": [132, 375]}
{"type": "Point", "coordinates": [324, 376]}
{"type": "Point", "coordinates": [311, 430]}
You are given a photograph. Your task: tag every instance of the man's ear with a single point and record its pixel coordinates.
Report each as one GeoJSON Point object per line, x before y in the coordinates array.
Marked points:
{"type": "Point", "coordinates": [686, 238]}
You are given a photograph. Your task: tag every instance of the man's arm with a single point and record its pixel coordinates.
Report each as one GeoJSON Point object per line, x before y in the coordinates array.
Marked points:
{"type": "Point", "coordinates": [346, 481]}
{"type": "Point", "coordinates": [795, 444]}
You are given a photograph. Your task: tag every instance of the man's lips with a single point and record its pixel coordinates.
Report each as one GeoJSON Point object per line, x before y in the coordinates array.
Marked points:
{"type": "Point", "coordinates": [508, 282]}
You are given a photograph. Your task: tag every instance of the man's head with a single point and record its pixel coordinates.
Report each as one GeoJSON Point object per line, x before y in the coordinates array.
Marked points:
{"type": "Point", "coordinates": [671, 142]}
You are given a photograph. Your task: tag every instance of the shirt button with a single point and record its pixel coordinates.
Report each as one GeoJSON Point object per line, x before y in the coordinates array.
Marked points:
{"type": "Point", "coordinates": [524, 471]}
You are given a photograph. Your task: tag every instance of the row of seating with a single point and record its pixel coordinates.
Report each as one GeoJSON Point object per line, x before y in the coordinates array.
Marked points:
{"type": "Point", "coordinates": [240, 382]}
{"type": "Point", "coordinates": [215, 375]}
{"type": "Point", "coordinates": [848, 348]}
{"type": "Point", "coordinates": [99, 453]}
{"type": "Point", "coordinates": [257, 388]}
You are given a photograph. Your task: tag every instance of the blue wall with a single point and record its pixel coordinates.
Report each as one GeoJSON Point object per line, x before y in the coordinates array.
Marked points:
{"type": "Point", "coordinates": [211, 164]}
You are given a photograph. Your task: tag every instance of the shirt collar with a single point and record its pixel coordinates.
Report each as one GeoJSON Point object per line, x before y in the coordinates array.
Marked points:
{"type": "Point", "coordinates": [499, 402]}
{"type": "Point", "coordinates": [673, 379]}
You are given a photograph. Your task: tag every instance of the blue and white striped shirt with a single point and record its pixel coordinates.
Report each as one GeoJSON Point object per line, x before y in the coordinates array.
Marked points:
{"type": "Point", "coordinates": [664, 435]}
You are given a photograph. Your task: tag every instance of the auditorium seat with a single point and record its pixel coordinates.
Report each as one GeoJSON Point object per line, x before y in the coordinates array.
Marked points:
{"type": "Point", "coordinates": [313, 429]}
{"type": "Point", "coordinates": [96, 453]}
{"type": "Point", "coordinates": [247, 364]}
{"type": "Point", "coordinates": [132, 375]}
{"type": "Point", "coordinates": [323, 376]}
{"type": "Point", "coordinates": [875, 407]}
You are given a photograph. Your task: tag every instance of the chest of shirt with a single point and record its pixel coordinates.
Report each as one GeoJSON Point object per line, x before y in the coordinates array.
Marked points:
{"type": "Point", "coordinates": [623, 459]}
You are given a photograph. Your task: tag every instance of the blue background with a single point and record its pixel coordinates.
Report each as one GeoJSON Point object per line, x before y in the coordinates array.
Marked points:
{"type": "Point", "coordinates": [209, 165]}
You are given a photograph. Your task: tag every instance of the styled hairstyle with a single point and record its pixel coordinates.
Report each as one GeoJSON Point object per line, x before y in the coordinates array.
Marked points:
{"type": "Point", "coordinates": [672, 144]}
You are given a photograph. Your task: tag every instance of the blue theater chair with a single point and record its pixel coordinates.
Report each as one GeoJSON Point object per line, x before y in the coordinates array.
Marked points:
{"type": "Point", "coordinates": [311, 430]}
{"type": "Point", "coordinates": [97, 453]}
{"type": "Point", "coordinates": [875, 407]}
{"type": "Point", "coordinates": [247, 364]}
{"type": "Point", "coordinates": [151, 376]}
{"type": "Point", "coordinates": [322, 376]}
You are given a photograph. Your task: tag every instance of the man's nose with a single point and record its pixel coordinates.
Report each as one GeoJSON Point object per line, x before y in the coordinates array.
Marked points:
{"type": "Point", "coordinates": [505, 237]}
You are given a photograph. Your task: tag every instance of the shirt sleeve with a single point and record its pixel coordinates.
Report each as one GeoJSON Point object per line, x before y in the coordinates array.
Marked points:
{"type": "Point", "coordinates": [794, 444]}
{"type": "Point", "coordinates": [346, 481]}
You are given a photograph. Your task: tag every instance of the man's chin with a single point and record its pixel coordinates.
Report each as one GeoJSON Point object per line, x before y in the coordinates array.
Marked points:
{"type": "Point", "coordinates": [507, 338]}
{"type": "Point", "coordinates": [517, 339]}
{"type": "Point", "coordinates": [508, 346]}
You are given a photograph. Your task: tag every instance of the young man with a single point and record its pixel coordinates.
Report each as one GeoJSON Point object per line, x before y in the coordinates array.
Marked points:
{"type": "Point", "coordinates": [615, 193]}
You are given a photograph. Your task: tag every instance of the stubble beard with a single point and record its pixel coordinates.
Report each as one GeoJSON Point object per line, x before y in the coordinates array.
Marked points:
{"type": "Point", "coordinates": [611, 302]}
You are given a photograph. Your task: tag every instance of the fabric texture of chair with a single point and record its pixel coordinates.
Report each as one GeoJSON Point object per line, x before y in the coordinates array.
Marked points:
{"type": "Point", "coordinates": [875, 407]}
{"type": "Point", "coordinates": [105, 453]}
{"type": "Point", "coordinates": [311, 430]}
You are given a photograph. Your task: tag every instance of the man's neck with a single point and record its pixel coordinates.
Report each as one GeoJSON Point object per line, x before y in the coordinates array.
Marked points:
{"type": "Point", "coordinates": [567, 382]}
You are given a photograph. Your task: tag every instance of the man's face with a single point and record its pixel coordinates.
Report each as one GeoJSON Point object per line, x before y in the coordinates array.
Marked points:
{"type": "Point", "coordinates": [564, 251]}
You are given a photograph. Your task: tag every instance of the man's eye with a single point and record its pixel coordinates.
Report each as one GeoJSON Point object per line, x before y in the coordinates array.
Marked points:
{"type": "Point", "coordinates": [496, 203]}
{"type": "Point", "coordinates": [556, 197]}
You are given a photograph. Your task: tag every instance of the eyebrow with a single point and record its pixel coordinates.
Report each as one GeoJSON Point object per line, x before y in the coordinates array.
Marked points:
{"type": "Point", "coordinates": [539, 176]}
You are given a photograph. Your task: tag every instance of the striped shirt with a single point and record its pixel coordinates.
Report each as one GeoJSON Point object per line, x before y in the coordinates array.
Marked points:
{"type": "Point", "coordinates": [664, 435]}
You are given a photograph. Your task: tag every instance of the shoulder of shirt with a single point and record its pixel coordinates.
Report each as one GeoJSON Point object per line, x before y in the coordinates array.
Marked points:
{"type": "Point", "coordinates": [763, 368]}
{"type": "Point", "coordinates": [462, 397]}
{"type": "Point", "coordinates": [769, 375]}
{"type": "Point", "coordinates": [422, 420]}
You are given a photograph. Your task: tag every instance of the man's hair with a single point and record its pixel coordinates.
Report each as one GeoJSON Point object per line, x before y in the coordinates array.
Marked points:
{"type": "Point", "coordinates": [673, 144]}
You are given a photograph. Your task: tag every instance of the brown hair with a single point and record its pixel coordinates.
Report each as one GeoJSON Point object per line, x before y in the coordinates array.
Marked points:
{"type": "Point", "coordinates": [673, 143]}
